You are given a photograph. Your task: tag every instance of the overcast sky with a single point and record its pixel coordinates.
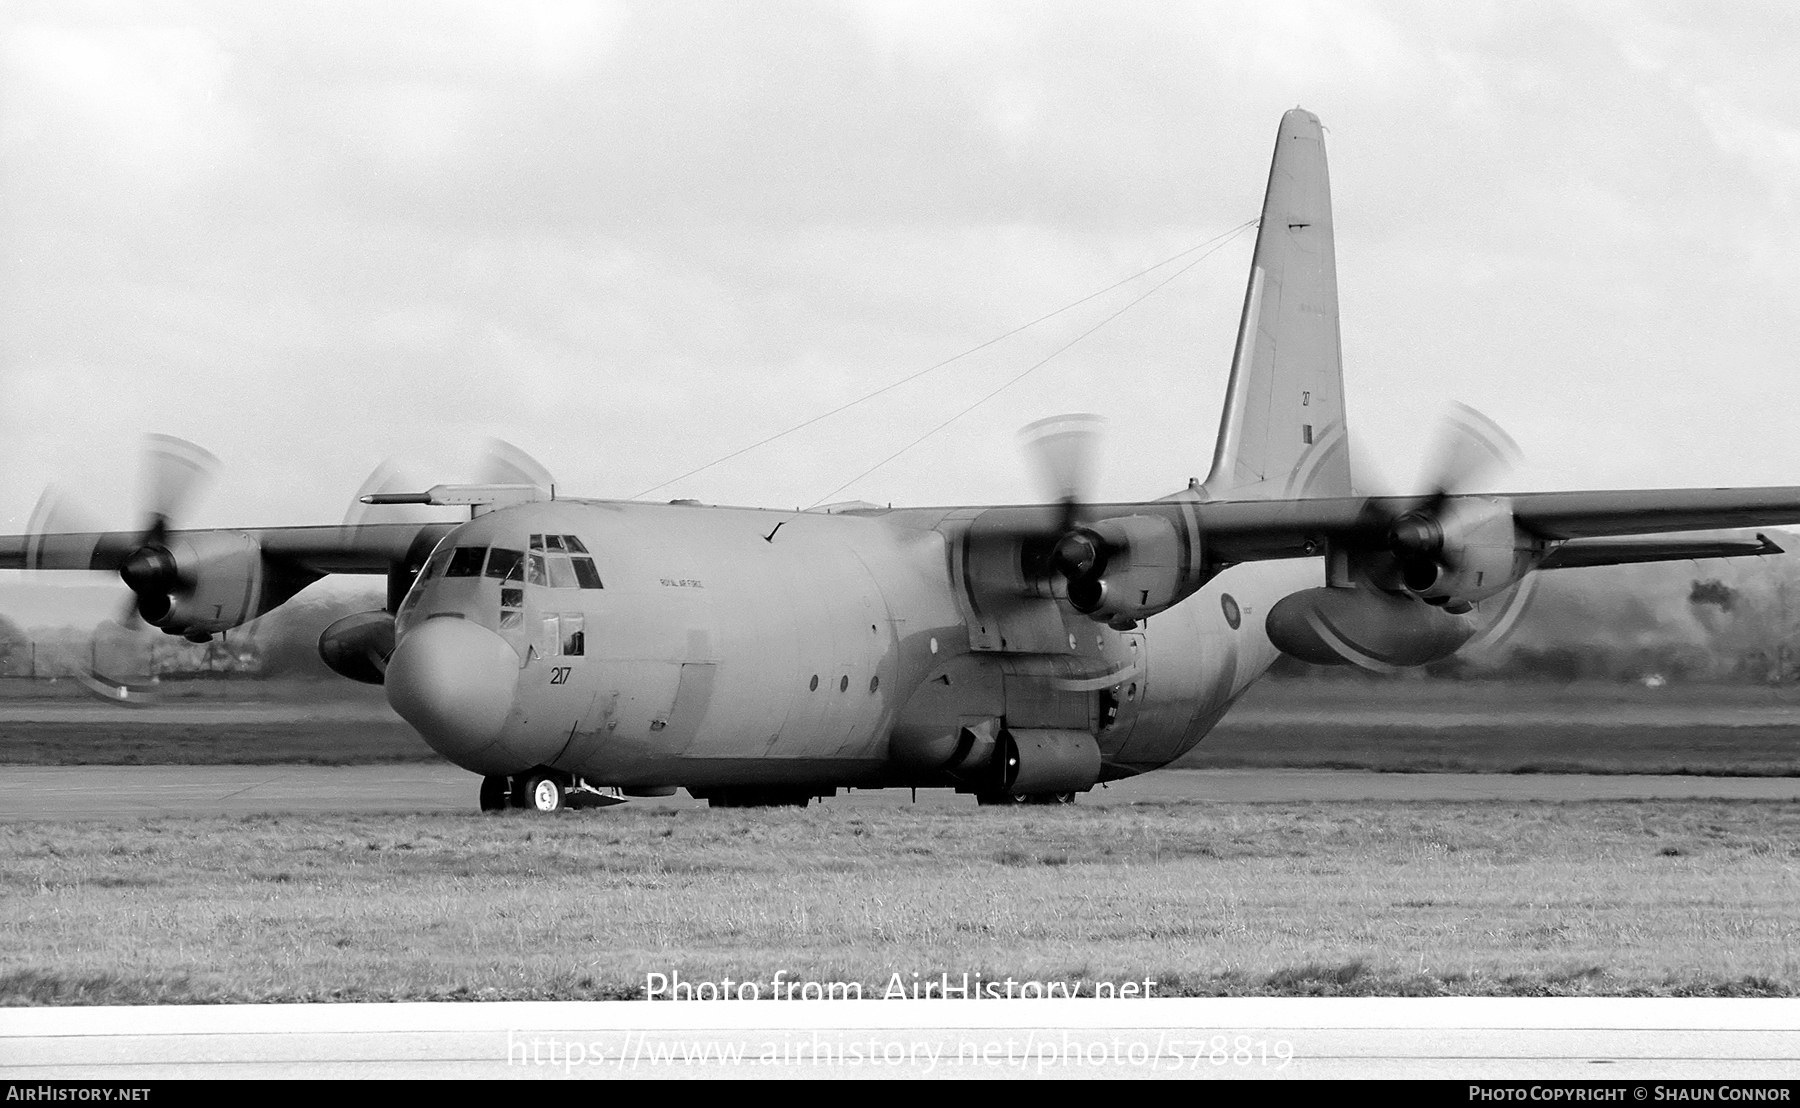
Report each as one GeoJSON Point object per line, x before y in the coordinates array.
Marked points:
{"type": "Point", "coordinates": [630, 238]}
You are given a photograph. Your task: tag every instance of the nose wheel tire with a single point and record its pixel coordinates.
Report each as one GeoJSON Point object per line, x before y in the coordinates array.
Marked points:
{"type": "Point", "coordinates": [544, 793]}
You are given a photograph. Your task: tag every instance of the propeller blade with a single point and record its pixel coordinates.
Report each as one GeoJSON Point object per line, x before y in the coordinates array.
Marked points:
{"type": "Point", "coordinates": [174, 470]}
{"type": "Point", "coordinates": [171, 474]}
{"type": "Point", "coordinates": [83, 663]}
{"type": "Point", "coordinates": [1512, 607]}
{"type": "Point", "coordinates": [502, 463]}
{"type": "Point", "coordinates": [1064, 448]}
{"type": "Point", "coordinates": [1470, 448]}
{"type": "Point", "coordinates": [54, 516]}
{"type": "Point", "coordinates": [112, 688]}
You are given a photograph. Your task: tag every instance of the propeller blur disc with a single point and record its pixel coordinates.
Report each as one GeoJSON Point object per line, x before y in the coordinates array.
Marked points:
{"type": "Point", "coordinates": [502, 463]}
{"type": "Point", "coordinates": [1064, 448]}
{"type": "Point", "coordinates": [174, 470]}
{"type": "Point", "coordinates": [1470, 448]}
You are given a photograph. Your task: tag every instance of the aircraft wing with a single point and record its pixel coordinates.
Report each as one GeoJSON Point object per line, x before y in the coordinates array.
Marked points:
{"type": "Point", "coordinates": [1255, 530]}
{"type": "Point", "coordinates": [368, 548]}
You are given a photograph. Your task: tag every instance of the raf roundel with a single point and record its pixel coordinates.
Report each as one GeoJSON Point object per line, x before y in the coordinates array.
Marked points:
{"type": "Point", "coordinates": [1233, 614]}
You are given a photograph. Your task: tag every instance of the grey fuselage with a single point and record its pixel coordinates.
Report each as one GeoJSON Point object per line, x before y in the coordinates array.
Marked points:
{"type": "Point", "coordinates": [733, 647]}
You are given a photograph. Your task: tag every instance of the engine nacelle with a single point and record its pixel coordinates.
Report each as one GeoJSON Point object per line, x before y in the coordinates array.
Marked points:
{"type": "Point", "coordinates": [1139, 568]}
{"type": "Point", "coordinates": [359, 646]}
{"type": "Point", "coordinates": [200, 584]}
{"type": "Point", "coordinates": [1020, 760]}
{"type": "Point", "coordinates": [1469, 552]}
{"type": "Point", "coordinates": [1334, 626]}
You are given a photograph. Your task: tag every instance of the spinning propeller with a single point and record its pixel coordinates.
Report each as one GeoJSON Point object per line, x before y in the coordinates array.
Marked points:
{"type": "Point", "coordinates": [1470, 448]}
{"type": "Point", "coordinates": [1452, 550]}
{"type": "Point", "coordinates": [501, 463]}
{"type": "Point", "coordinates": [1064, 448]}
{"type": "Point", "coordinates": [171, 472]}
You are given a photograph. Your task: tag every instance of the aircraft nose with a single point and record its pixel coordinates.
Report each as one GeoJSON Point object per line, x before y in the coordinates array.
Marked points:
{"type": "Point", "coordinates": [454, 681]}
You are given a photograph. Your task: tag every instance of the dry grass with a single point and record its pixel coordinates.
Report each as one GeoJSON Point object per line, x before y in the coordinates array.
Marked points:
{"type": "Point", "coordinates": [1693, 898]}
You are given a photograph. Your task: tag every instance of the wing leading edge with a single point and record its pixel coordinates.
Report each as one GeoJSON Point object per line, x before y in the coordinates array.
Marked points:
{"type": "Point", "coordinates": [369, 548]}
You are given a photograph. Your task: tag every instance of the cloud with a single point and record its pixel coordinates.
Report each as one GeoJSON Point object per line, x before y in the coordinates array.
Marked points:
{"type": "Point", "coordinates": [633, 237]}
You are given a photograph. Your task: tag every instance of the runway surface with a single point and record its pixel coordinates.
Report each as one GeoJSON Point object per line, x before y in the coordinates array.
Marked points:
{"type": "Point", "coordinates": [1630, 1044]}
{"type": "Point", "coordinates": [131, 792]}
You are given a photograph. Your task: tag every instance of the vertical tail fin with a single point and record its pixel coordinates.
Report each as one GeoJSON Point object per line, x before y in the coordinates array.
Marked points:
{"type": "Point", "coordinates": [1283, 433]}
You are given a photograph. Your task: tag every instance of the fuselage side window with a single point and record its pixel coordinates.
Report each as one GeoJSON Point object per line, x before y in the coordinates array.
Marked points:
{"type": "Point", "coordinates": [574, 638]}
{"type": "Point", "coordinates": [466, 562]}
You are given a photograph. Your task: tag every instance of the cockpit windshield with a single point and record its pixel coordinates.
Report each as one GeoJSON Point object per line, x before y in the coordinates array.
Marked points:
{"type": "Point", "coordinates": [554, 561]}
{"type": "Point", "coordinates": [561, 562]}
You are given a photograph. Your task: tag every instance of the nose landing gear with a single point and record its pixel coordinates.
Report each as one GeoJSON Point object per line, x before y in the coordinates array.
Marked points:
{"type": "Point", "coordinates": [545, 790]}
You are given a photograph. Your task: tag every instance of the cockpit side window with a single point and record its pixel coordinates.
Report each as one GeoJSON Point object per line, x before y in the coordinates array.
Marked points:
{"type": "Point", "coordinates": [507, 565]}
{"type": "Point", "coordinates": [439, 559]}
{"type": "Point", "coordinates": [586, 574]}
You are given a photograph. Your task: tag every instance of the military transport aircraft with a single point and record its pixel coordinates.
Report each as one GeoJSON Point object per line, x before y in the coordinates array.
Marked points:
{"type": "Point", "coordinates": [567, 648]}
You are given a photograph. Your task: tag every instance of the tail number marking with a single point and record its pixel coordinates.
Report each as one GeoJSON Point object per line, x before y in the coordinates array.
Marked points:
{"type": "Point", "coordinates": [559, 675]}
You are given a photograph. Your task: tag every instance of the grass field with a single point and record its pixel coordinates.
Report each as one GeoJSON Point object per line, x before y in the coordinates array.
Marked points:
{"type": "Point", "coordinates": [1593, 898]}
{"type": "Point", "coordinates": [291, 742]}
